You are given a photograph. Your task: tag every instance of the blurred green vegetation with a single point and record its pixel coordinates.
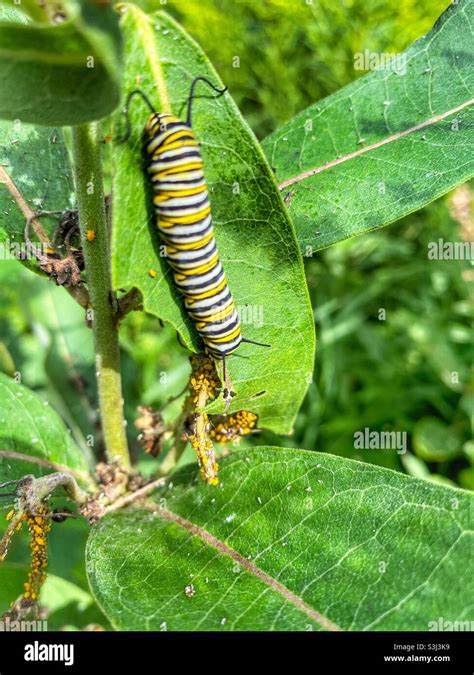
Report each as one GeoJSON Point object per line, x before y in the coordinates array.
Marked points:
{"type": "Point", "coordinates": [394, 372]}
{"type": "Point", "coordinates": [394, 349]}
{"type": "Point", "coordinates": [279, 56]}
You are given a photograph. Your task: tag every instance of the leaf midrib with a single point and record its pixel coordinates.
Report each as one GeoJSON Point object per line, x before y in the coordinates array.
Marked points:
{"type": "Point", "coordinates": [150, 48]}
{"type": "Point", "coordinates": [210, 540]}
{"type": "Point", "coordinates": [390, 139]}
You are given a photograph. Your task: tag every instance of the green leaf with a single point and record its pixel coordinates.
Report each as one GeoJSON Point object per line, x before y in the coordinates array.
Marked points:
{"type": "Point", "coordinates": [69, 607]}
{"type": "Point", "coordinates": [70, 359]}
{"type": "Point", "coordinates": [254, 236]}
{"type": "Point", "coordinates": [466, 478]}
{"type": "Point", "coordinates": [35, 174]}
{"type": "Point", "coordinates": [29, 426]}
{"type": "Point", "coordinates": [61, 73]}
{"type": "Point", "coordinates": [12, 578]}
{"type": "Point", "coordinates": [468, 449]}
{"type": "Point", "coordinates": [29, 10]}
{"type": "Point", "coordinates": [434, 441]}
{"type": "Point", "coordinates": [414, 466]}
{"type": "Point", "coordinates": [292, 540]}
{"type": "Point", "coordinates": [12, 13]}
{"type": "Point", "coordinates": [66, 604]}
{"type": "Point", "coordinates": [60, 592]}
{"type": "Point", "coordinates": [385, 145]}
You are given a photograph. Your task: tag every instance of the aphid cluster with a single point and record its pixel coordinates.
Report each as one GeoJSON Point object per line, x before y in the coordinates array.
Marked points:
{"type": "Point", "coordinates": [203, 384]}
{"type": "Point", "coordinates": [39, 525]}
{"type": "Point", "coordinates": [234, 426]}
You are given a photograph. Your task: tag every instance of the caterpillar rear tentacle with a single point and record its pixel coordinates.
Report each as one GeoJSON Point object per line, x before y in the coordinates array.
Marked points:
{"type": "Point", "coordinates": [227, 392]}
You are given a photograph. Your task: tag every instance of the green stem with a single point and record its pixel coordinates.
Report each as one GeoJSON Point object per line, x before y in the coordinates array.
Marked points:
{"type": "Point", "coordinates": [92, 221]}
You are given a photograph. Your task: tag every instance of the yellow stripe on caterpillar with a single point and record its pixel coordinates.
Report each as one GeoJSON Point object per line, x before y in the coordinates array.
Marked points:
{"type": "Point", "coordinates": [184, 220]}
{"type": "Point", "coordinates": [181, 168]}
{"type": "Point", "coordinates": [213, 291]}
{"type": "Point", "coordinates": [175, 136]}
{"type": "Point", "coordinates": [217, 317]}
{"type": "Point", "coordinates": [164, 195]}
{"type": "Point", "coordinates": [198, 270]}
{"type": "Point", "coordinates": [193, 245]}
{"type": "Point", "coordinates": [226, 338]}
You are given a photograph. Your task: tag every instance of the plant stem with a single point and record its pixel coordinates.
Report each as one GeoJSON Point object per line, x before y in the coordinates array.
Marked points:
{"type": "Point", "coordinates": [92, 221]}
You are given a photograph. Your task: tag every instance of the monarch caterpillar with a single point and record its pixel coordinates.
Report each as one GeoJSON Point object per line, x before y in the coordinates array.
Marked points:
{"type": "Point", "coordinates": [183, 211]}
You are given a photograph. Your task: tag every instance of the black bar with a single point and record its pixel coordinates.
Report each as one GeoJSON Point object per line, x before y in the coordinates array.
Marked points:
{"type": "Point", "coordinates": [312, 652]}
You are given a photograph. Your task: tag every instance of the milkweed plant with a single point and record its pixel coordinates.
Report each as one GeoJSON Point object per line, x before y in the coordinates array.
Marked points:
{"type": "Point", "coordinates": [132, 219]}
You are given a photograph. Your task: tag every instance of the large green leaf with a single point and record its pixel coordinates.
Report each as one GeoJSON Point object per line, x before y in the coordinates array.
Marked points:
{"type": "Point", "coordinates": [48, 341]}
{"type": "Point", "coordinates": [255, 238]}
{"type": "Point", "coordinates": [61, 73]}
{"type": "Point", "coordinates": [70, 359]}
{"type": "Point", "coordinates": [385, 145]}
{"type": "Point", "coordinates": [29, 426]}
{"type": "Point", "coordinates": [292, 540]}
{"type": "Point", "coordinates": [35, 174]}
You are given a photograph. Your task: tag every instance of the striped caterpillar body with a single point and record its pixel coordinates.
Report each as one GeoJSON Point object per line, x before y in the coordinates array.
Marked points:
{"type": "Point", "coordinates": [183, 211]}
